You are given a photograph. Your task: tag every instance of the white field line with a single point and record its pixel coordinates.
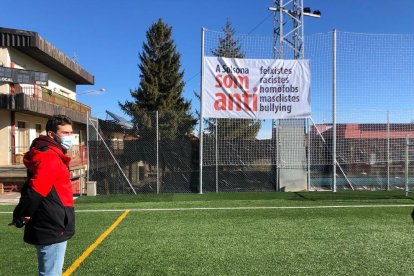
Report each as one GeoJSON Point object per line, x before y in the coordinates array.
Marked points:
{"type": "Point", "coordinates": [241, 208]}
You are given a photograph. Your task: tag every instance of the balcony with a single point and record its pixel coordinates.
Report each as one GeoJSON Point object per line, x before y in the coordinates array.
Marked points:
{"type": "Point", "coordinates": [78, 155]}
{"type": "Point", "coordinates": [13, 176]}
{"type": "Point", "coordinates": [37, 100]}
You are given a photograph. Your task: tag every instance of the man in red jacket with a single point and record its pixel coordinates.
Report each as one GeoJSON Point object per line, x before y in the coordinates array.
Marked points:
{"type": "Point", "coordinates": [46, 207]}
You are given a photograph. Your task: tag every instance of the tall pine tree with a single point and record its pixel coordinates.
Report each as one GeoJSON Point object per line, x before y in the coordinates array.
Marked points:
{"type": "Point", "coordinates": [232, 128]}
{"type": "Point", "coordinates": [160, 89]}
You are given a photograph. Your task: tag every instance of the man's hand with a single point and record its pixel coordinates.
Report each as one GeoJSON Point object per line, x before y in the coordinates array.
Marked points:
{"type": "Point", "coordinates": [20, 223]}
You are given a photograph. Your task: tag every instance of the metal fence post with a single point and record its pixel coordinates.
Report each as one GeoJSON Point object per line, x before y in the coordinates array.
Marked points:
{"type": "Point", "coordinates": [157, 151]}
{"type": "Point", "coordinates": [388, 150]}
{"type": "Point", "coordinates": [334, 110]}
{"type": "Point", "coordinates": [217, 185]}
{"type": "Point", "coordinates": [113, 158]}
{"type": "Point", "coordinates": [201, 114]}
{"type": "Point", "coordinates": [308, 128]}
{"type": "Point", "coordinates": [407, 144]}
{"type": "Point", "coordinates": [87, 146]}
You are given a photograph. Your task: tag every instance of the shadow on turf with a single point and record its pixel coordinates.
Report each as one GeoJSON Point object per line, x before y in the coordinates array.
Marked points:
{"type": "Point", "coordinates": [301, 195]}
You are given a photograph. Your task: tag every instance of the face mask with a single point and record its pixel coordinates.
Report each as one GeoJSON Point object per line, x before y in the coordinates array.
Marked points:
{"type": "Point", "coordinates": [66, 142]}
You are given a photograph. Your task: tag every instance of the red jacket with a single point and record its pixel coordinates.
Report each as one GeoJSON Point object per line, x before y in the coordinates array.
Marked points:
{"type": "Point", "coordinates": [47, 196]}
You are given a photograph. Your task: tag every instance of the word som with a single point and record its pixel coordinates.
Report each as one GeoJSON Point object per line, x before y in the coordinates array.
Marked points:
{"type": "Point", "coordinates": [234, 101]}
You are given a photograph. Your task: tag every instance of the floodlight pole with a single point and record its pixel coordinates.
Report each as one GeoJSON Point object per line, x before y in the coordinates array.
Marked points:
{"type": "Point", "coordinates": [289, 15]}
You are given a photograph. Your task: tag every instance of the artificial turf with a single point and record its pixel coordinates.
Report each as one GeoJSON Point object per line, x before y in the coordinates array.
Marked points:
{"type": "Point", "coordinates": [315, 241]}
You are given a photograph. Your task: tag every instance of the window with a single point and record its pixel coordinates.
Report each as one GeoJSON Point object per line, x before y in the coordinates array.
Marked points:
{"type": "Point", "coordinates": [22, 137]}
{"type": "Point", "coordinates": [38, 130]}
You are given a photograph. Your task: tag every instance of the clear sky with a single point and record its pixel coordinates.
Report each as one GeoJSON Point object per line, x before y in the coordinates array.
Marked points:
{"type": "Point", "coordinates": [107, 36]}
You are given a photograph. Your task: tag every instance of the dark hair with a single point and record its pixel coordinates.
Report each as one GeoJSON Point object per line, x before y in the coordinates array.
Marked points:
{"type": "Point", "coordinates": [57, 120]}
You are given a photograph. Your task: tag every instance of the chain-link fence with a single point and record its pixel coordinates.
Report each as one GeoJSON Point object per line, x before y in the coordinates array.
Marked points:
{"type": "Point", "coordinates": [123, 161]}
{"type": "Point", "coordinates": [373, 114]}
{"type": "Point", "coordinates": [370, 128]}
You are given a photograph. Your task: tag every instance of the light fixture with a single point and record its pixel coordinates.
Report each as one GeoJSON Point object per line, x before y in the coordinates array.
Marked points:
{"type": "Point", "coordinates": [93, 92]}
{"type": "Point", "coordinates": [306, 11]}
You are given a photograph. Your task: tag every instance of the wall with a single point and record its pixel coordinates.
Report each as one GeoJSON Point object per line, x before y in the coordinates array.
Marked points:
{"type": "Point", "coordinates": [4, 61]}
{"type": "Point", "coordinates": [5, 137]}
{"type": "Point", "coordinates": [57, 83]}
{"type": "Point", "coordinates": [30, 122]}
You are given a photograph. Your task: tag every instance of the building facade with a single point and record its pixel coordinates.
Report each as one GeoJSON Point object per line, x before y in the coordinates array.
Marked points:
{"type": "Point", "coordinates": [37, 81]}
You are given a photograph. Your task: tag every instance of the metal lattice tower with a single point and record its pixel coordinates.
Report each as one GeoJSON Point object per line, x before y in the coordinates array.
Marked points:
{"type": "Point", "coordinates": [288, 43]}
{"type": "Point", "coordinates": [288, 29]}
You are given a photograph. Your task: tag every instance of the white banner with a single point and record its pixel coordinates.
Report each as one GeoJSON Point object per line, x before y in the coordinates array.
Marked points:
{"type": "Point", "coordinates": [256, 88]}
